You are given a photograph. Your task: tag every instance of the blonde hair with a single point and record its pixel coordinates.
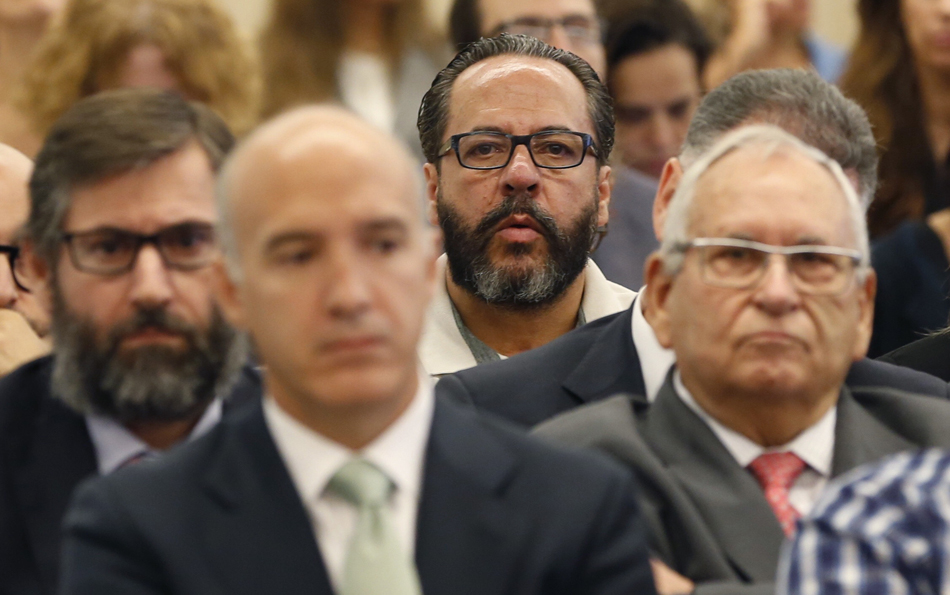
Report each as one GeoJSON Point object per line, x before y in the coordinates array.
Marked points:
{"type": "Point", "coordinates": [301, 46]}
{"type": "Point", "coordinates": [88, 44]}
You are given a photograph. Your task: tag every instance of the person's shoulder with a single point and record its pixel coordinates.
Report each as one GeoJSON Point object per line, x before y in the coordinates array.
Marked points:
{"type": "Point", "coordinates": [24, 393]}
{"type": "Point", "coordinates": [929, 355]}
{"type": "Point", "coordinates": [869, 374]}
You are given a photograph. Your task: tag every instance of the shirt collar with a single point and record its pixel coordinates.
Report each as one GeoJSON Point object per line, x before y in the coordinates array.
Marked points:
{"type": "Point", "coordinates": [815, 445]}
{"type": "Point", "coordinates": [655, 360]}
{"type": "Point", "coordinates": [115, 444]}
{"type": "Point", "coordinates": [312, 459]}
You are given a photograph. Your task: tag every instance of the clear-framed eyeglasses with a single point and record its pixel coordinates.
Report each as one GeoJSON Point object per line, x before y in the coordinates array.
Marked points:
{"type": "Point", "coordinates": [742, 264]}
{"type": "Point", "coordinates": [16, 265]}
{"type": "Point", "coordinates": [111, 251]}
{"type": "Point", "coordinates": [550, 149]}
{"type": "Point", "coordinates": [578, 27]}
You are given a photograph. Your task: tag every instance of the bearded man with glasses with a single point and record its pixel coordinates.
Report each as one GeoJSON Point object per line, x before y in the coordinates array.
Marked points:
{"type": "Point", "coordinates": [517, 135]}
{"type": "Point", "coordinates": [121, 230]}
{"type": "Point", "coordinates": [763, 289]}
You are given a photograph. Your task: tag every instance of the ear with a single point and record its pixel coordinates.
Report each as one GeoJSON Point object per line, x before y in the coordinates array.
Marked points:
{"type": "Point", "coordinates": [228, 294]}
{"type": "Point", "coordinates": [432, 192]}
{"type": "Point", "coordinates": [865, 325]}
{"type": "Point", "coordinates": [605, 185]}
{"type": "Point", "coordinates": [656, 312]}
{"type": "Point", "coordinates": [669, 181]}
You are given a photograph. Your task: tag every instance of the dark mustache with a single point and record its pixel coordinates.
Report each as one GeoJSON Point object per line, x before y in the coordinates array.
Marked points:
{"type": "Point", "coordinates": [518, 204]}
{"type": "Point", "coordinates": [151, 318]}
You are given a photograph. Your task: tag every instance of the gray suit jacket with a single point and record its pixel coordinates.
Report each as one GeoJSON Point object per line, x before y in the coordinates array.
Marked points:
{"type": "Point", "coordinates": [706, 516]}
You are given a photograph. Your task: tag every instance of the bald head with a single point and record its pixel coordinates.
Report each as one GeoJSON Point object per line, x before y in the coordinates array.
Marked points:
{"type": "Point", "coordinates": [320, 149]}
{"type": "Point", "coordinates": [15, 169]}
{"type": "Point", "coordinates": [324, 215]}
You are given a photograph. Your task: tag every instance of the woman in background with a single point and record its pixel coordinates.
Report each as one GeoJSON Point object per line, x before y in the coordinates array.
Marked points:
{"type": "Point", "coordinates": [188, 46]}
{"type": "Point", "coordinates": [900, 73]}
{"type": "Point", "coordinates": [752, 34]}
{"type": "Point", "coordinates": [376, 57]}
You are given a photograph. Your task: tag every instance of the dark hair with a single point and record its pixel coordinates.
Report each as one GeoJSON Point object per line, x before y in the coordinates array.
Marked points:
{"type": "Point", "coordinates": [433, 113]}
{"type": "Point", "coordinates": [108, 134]}
{"type": "Point", "coordinates": [652, 24]}
{"type": "Point", "coordinates": [881, 76]}
{"type": "Point", "coordinates": [799, 101]}
{"type": "Point", "coordinates": [465, 23]}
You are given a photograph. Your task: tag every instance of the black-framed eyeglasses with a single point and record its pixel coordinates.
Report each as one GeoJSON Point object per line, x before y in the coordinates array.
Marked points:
{"type": "Point", "coordinates": [112, 251]}
{"type": "Point", "coordinates": [550, 149]}
{"type": "Point", "coordinates": [13, 256]}
{"type": "Point", "coordinates": [742, 264]}
{"type": "Point", "coordinates": [578, 27]}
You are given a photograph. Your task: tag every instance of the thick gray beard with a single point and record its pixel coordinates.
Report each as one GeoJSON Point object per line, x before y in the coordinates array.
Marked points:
{"type": "Point", "coordinates": [152, 383]}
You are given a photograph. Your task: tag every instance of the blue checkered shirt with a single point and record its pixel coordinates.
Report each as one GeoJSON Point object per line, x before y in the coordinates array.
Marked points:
{"type": "Point", "coordinates": [882, 529]}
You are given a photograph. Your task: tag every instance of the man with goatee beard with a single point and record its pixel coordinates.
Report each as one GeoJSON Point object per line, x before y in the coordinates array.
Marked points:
{"type": "Point", "coordinates": [517, 135]}
{"type": "Point", "coordinates": [121, 230]}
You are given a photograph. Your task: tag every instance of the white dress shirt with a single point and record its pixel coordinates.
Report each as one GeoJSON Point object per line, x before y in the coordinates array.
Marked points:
{"type": "Point", "coordinates": [312, 460]}
{"type": "Point", "coordinates": [655, 360]}
{"type": "Point", "coordinates": [815, 446]}
{"type": "Point", "coordinates": [114, 444]}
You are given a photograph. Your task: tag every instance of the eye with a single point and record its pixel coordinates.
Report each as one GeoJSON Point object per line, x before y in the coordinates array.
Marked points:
{"type": "Point", "coordinates": [386, 244]}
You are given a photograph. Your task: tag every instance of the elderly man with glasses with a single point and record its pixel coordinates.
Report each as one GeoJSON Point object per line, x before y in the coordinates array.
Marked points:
{"type": "Point", "coordinates": [763, 289]}
{"type": "Point", "coordinates": [24, 316]}
{"type": "Point", "coordinates": [517, 135]}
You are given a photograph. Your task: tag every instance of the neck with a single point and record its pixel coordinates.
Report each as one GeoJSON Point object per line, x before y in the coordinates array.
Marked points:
{"type": "Point", "coordinates": [17, 40]}
{"type": "Point", "coordinates": [364, 27]}
{"type": "Point", "coordinates": [162, 435]}
{"type": "Point", "coordinates": [784, 50]}
{"type": "Point", "coordinates": [935, 93]}
{"type": "Point", "coordinates": [768, 418]}
{"type": "Point", "coordinates": [510, 332]}
{"type": "Point", "coordinates": [351, 425]}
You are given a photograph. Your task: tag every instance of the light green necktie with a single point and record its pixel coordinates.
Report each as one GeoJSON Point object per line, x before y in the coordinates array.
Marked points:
{"type": "Point", "coordinates": [375, 563]}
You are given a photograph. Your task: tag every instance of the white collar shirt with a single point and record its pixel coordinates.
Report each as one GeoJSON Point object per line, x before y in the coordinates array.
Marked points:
{"type": "Point", "coordinates": [655, 360]}
{"type": "Point", "coordinates": [815, 445]}
{"type": "Point", "coordinates": [443, 350]}
{"type": "Point", "coordinates": [313, 459]}
{"type": "Point", "coordinates": [114, 444]}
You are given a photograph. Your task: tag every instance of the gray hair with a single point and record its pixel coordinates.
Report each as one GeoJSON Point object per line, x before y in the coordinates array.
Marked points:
{"type": "Point", "coordinates": [767, 141]}
{"type": "Point", "coordinates": [109, 134]}
{"type": "Point", "coordinates": [800, 102]}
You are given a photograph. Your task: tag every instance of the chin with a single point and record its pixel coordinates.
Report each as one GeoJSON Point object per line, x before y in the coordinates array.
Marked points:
{"type": "Point", "coordinates": [364, 385]}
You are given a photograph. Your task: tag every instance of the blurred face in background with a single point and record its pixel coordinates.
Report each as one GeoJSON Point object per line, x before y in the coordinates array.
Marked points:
{"type": "Point", "coordinates": [655, 94]}
{"type": "Point", "coordinates": [927, 29]}
{"type": "Point", "coordinates": [23, 11]}
{"type": "Point", "coordinates": [144, 66]}
{"type": "Point", "coordinates": [570, 25]}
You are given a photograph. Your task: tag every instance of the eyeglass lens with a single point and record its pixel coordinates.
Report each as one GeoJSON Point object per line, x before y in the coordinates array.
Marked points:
{"type": "Point", "coordinates": [17, 267]}
{"type": "Point", "coordinates": [743, 267]}
{"type": "Point", "coordinates": [557, 150]}
{"type": "Point", "coordinates": [113, 251]}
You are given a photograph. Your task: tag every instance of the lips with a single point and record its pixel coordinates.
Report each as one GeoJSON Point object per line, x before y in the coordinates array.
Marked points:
{"type": "Point", "coordinates": [519, 228]}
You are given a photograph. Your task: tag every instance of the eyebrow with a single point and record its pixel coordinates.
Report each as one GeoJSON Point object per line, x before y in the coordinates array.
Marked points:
{"type": "Point", "coordinates": [556, 128]}
{"type": "Point", "coordinates": [802, 241]}
{"type": "Point", "coordinates": [373, 226]}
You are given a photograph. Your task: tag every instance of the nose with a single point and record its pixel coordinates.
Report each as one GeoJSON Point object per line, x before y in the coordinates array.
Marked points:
{"type": "Point", "coordinates": [776, 293]}
{"type": "Point", "coordinates": [662, 134]}
{"type": "Point", "coordinates": [348, 293]}
{"type": "Point", "coordinates": [151, 280]}
{"type": "Point", "coordinates": [8, 288]}
{"type": "Point", "coordinates": [559, 38]}
{"type": "Point", "coordinates": [521, 174]}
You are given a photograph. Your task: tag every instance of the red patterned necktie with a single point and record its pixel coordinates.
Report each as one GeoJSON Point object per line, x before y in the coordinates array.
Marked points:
{"type": "Point", "coordinates": [776, 472]}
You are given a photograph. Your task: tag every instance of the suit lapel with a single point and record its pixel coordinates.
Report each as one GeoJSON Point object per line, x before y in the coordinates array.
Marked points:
{"type": "Point", "coordinates": [59, 456]}
{"type": "Point", "coordinates": [726, 495]}
{"type": "Point", "coordinates": [466, 535]}
{"type": "Point", "coordinates": [255, 519]}
{"type": "Point", "coordinates": [611, 365]}
{"type": "Point", "coordinates": [860, 438]}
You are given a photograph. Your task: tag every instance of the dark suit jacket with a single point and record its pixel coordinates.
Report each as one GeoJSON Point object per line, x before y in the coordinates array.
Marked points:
{"type": "Point", "coordinates": [708, 518]}
{"type": "Point", "coordinates": [930, 355]}
{"type": "Point", "coordinates": [500, 513]}
{"type": "Point", "coordinates": [599, 360]}
{"type": "Point", "coordinates": [45, 451]}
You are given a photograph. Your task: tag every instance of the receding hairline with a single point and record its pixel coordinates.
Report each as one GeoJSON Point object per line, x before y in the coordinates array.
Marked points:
{"type": "Point", "coordinates": [14, 162]}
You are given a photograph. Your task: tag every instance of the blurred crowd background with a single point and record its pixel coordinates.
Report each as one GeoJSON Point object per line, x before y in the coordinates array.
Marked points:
{"type": "Point", "coordinates": [251, 59]}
